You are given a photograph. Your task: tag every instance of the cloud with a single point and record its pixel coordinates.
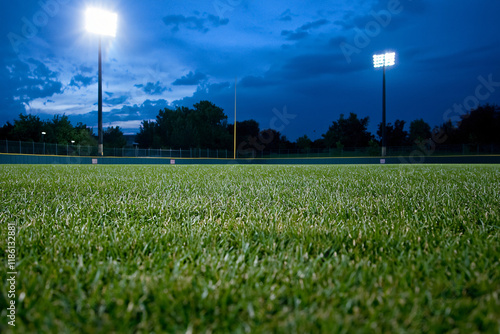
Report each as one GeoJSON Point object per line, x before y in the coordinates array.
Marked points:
{"type": "Point", "coordinates": [190, 79]}
{"type": "Point", "coordinates": [116, 100]}
{"type": "Point", "coordinates": [286, 16]}
{"type": "Point", "coordinates": [390, 15]}
{"type": "Point", "coordinates": [197, 23]}
{"type": "Point", "coordinates": [258, 82]}
{"type": "Point", "coordinates": [314, 24]}
{"type": "Point", "coordinates": [127, 117]}
{"type": "Point", "coordinates": [32, 80]}
{"type": "Point", "coordinates": [80, 81]}
{"type": "Point", "coordinates": [315, 65]}
{"type": "Point", "coordinates": [152, 88]}
{"type": "Point", "coordinates": [211, 92]}
{"type": "Point", "coordinates": [303, 31]}
{"type": "Point", "coordinates": [86, 69]}
{"type": "Point", "coordinates": [294, 35]}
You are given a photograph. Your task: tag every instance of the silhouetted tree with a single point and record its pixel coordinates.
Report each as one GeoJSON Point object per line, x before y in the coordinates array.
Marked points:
{"type": "Point", "coordinates": [84, 135]}
{"type": "Point", "coordinates": [247, 131]}
{"type": "Point", "coordinates": [113, 137]}
{"type": "Point", "coordinates": [272, 139]}
{"type": "Point", "coordinates": [349, 132]}
{"type": "Point", "coordinates": [148, 136]}
{"type": "Point", "coordinates": [210, 124]}
{"type": "Point", "coordinates": [395, 134]}
{"type": "Point", "coordinates": [304, 143]}
{"type": "Point", "coordinates": [27, 128]}
{"type": "Point", "coordinates": [6, 131]}
{"type": "Point", "coordinates": [59, 130]}
{"type": "Point", "coordinates": [419, 131]}
{"type": "Point", "coordinates": [480, 126]}
{"type": "Point", "coordinates": [205, 126]}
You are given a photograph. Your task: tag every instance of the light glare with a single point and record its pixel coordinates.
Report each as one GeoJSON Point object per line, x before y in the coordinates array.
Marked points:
{"type": "Point", "coordinates": [387, 59]}
{"type": "Point", "coordinates": [101, 22]}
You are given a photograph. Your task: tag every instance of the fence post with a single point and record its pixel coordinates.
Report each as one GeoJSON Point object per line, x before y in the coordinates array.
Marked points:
{"type": "Point", "coordinates": [180, 152]}
{"type": "Point", "coordinates": [20, 150]}
{"type": "Point", "coordinates": [56, 149]}
{"type": "Point", "coordinates": [6, 146]}
{"type": "Point", "coordinates": [33, 147]}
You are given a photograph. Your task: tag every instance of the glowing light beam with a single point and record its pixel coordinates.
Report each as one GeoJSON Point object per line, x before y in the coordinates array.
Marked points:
{"type": "Point", "coordinates": [101, 22]}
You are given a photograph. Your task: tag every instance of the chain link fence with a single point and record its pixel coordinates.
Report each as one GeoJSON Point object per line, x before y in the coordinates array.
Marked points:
{"type": "Point", "coordinates": [19, 147]}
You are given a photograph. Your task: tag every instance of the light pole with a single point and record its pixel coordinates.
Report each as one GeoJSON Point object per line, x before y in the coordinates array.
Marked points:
{"type": "Point", "coordinates": [103, 23]}
{"type": "Point", "coordinates": [234, 130]}
{"type": "Point", "coordinates": [384, 60]}
{"type": "Point", "coordinates": [43, 140]}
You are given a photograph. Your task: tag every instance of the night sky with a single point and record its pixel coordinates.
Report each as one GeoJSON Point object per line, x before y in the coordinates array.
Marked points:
{"type": "Point", "coordinates": [299, 64]}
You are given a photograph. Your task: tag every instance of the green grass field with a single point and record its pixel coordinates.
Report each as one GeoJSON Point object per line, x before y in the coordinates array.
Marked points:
{"type": "Point", "coordinates": [255, 249]}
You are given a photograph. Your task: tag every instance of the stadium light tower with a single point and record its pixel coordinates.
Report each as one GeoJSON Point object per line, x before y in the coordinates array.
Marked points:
{"type": "Point", "coordinates": [384, 60]}
{"type": "Point", "coordinates": [103, 23]}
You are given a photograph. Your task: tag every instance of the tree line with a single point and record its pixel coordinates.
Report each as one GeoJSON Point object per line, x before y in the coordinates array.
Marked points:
{"type": "Point", "coordinates": [58, 130]}
{"type": "Point", "coordinates": [205, 126]}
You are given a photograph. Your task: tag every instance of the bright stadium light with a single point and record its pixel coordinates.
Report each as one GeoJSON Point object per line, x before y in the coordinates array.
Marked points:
{"type": "Point", "coordinates": [384, 60]}
{"type": "Point", "coordinates": [103, 23]}
{"type": "Point", "coordinates": [387, 59]}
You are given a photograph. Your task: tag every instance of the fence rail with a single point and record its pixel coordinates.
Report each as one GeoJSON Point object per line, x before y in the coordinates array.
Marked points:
{"type": "Point", "coordinates": [19, 147]}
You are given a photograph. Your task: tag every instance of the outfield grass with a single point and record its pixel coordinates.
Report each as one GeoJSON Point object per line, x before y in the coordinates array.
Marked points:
{"type": "Point", "coordinates": [253, 248]}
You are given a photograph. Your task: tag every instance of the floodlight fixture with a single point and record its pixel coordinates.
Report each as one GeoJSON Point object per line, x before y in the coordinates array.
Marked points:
{"type": "Point", "coordinates": [101, 22]}
{"type": "Point", "coordinates": [386, 59]}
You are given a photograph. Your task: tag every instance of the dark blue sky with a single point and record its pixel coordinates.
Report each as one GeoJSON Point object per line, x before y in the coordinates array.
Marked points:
{"type": "Point", "coordinates": [299, 64]}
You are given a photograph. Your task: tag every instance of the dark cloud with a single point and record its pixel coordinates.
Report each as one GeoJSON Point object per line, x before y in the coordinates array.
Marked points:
{"type": "Point", "coordinates": [152, 88]}
{"type": "Point", "coordinates": [198, 23]}
{"type": "Point", "coordinates": [212, 92]}
{"type": "Point", "coordinates": [314, 24]}
{"type": "Point", "coordinates": [409, 6]}
{"type": "Point", "coordinates": [80, 81]}
{"type": "Point", "coordinates": [216, 22]}
{"type": "Point", "coordinates": [116, 100]}
{"type": "Point", "coordinates": [132, 114]}
{"type": "Point", "coordinates": [315, 65]}
{"type": "Point", "coordinates": [34, 80]}
{"type": "Point", "coordinates": [23, 81]}
{"type": "Point", "coordinates": [258, 82]}
{"type": "Point", "coordinates": [286, 16]}
{"type": "Point", "coordinates": [303, 31]}
{"type": "Point", "coordinates": [190, 79]}
{"type": "Point", "coordinates": [390, 15]}
{"type": "Point", "coordinates": [294, 35]}
{"type": "Point", "coordinates": [86, 69]}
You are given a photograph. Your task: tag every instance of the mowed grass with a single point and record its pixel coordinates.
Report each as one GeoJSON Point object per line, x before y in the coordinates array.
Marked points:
{"type": "Point", "coordinates": [289, 249]}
